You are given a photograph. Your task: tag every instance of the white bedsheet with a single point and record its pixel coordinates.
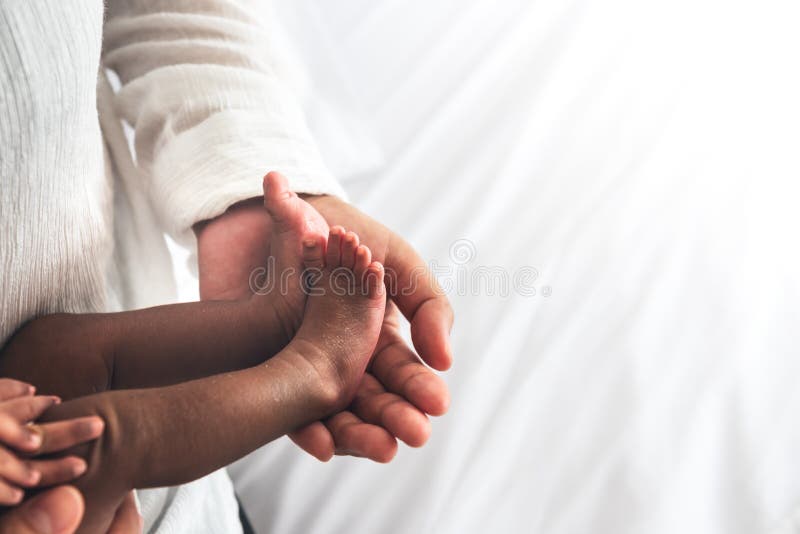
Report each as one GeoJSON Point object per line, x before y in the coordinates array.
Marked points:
{"type": "Point", "coordinates": [643, 157]}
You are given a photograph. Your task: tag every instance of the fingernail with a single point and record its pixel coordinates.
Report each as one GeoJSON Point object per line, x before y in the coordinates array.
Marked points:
{"type": "Point", "coordinates": [94, 426]}
{"type": "Point", "coordinates": [34, 477]}
{"type": "Point", "coordinates": [33, 438]}
{"type": "Point", "coordinates": [78, 467]}
{"type": "Point", "coordinates": [56, 399]}
{"type": "Point", "coordinates": [31, 390]}
{"type": "Point", "coordinates": [16, 495]}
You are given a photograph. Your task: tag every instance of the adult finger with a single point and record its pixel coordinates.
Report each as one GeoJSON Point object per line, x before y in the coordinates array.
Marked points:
{"type": "Point", "coordinates": [354, 437]}
{"type": "Point", "coordinates": [10, 389]}
{"type": "Point", "coordinates": [58, 471]}
{"type": "Point", "coordinates": [419, 297]}
{"type": "Point", "coordinates": [65, 434]}
{"type": "Point", "coordinates": [316, 440]}
{"type": "Point", "coordinates": [19, 436]}
{"type": "Point", "coordinates": [400, 418]}
{"type": "Point", "coordinates": [25, 409]}
{"type": "Point", "coordinates": [400, 371]}
{"type": "Point", "coordinates": [17, 471]}
{"type": "Point", "coordinates": [127, 519]}
{"type": "Point", "coordinates": [10, 494]}
{"type": "Point", "coordinates": [56, 511]}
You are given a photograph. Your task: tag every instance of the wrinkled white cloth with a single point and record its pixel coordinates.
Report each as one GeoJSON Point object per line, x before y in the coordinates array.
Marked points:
{"type": "Point", "coordinates": [643, 156]}
{"type": "Point", "coordinates": [82, 228]}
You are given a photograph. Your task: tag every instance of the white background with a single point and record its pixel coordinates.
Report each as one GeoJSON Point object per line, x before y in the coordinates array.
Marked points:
{"type": "Point", "coordinates": [643, 157]}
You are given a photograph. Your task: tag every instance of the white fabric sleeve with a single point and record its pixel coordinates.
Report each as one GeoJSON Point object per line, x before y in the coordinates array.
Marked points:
{"type": "Point", "coordinates": [210, 116]}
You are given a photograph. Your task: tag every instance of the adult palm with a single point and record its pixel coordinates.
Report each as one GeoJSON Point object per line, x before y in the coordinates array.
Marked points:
{"type": "Point", "coordinates": [398, 391]}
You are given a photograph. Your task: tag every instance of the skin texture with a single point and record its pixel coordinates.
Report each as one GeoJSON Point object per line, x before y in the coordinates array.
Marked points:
{"type": "Point", "coordinates": [398, 390]}
{"type": "Point", "coordinates": [24, 446]}
{"type": "Point", "coordinates": [73, 355]}
{"type": "Point", "coordinates": [390, 401]}
{"type": "Point", "coordinates": [55, 511]}
{"type": "Point", "coordinates": [222, 417]}
{"type": "Point", "coordinates": [161, 346]}
{"type": "Point", "coordinates": [27, 461]}
{"type": "Point", "coordinates": [59, 511]}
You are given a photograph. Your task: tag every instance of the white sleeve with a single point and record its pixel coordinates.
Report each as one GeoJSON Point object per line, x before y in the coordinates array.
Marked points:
{"type": "Point", "coordinates": [209, 113]}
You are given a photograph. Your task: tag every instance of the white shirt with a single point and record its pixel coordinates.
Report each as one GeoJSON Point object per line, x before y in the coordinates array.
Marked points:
{"type": "Point", "coordinates": [83, 214]}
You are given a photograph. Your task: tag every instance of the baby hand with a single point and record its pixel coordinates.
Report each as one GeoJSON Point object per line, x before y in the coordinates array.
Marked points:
{"type": "Point", "coordinates": [22, 443]}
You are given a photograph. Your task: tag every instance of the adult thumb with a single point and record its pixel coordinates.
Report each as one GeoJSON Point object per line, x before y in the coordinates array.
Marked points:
{"type": "Point", "coordinates": [56, 511]}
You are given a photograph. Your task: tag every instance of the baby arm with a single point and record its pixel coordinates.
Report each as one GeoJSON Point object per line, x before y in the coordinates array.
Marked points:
{"type": "Point", "coordinates": [174, 434]}
{"type": "Point", "coordinates": [72, 355]}
{"type": "Point", "coordinates": [24, 446]}
{"type": "Point", "coordinates": [75, 355]}
{"type": "Point", "coordinates": [170, 435]}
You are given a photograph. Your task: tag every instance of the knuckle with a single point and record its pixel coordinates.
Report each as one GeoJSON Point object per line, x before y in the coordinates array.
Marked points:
{"type": "Point", "coordinates": [390, 401]}
{"type": "Point", "coordinates": [9, 430]}
{"type": "Point", "coordinates": [401, 370]}
{"type": "Point", "coordinates": [419, 373]}
{"type": "Point", "coordinates": [27, 410]}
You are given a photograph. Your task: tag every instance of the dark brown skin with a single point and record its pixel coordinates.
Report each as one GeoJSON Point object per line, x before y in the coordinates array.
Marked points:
{"type": "Point", "coordinates": [167, 345]}
{"type": "Point", "coordinates": [178, 433]}
{"type": "Point", "coordinates": [231, 245]}
{"type": "Point", "coordinates": [173, 434]}
{"type": "Point", "coordinates": [72, 355]}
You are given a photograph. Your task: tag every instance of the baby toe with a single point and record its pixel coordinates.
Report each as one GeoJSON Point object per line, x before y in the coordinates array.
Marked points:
{"type": "Point", "coordinates": [373, 280]}
{"type": "Point", "coordinates": [349, 246]}
{"type": "Point", "coordinates": [313, 253]}
{"type": "Point", "coordinates": [362, 260]}
{"type": "Point", "coordinates": [333, 254]}
{"type": "Point", "coordinates": [276, 190]}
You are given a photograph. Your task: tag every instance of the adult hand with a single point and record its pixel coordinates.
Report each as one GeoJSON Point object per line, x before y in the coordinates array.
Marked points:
{"type": "Point", "coordinates": [59, 511]}
{"type": "Point", "coordinates": [398, 390]}
{"type": "Point", "coordinates": [56, 511]}
{"type": "Point", "coordinates": [411, 285]}
{"type": "Point", "coordinates": [127, 519]}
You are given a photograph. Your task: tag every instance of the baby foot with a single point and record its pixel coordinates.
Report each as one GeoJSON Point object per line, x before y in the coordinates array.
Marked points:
{"type": "Point", "coordinates": [343, 313]}
{"type": "Point", "coordinates": [295, 225]}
